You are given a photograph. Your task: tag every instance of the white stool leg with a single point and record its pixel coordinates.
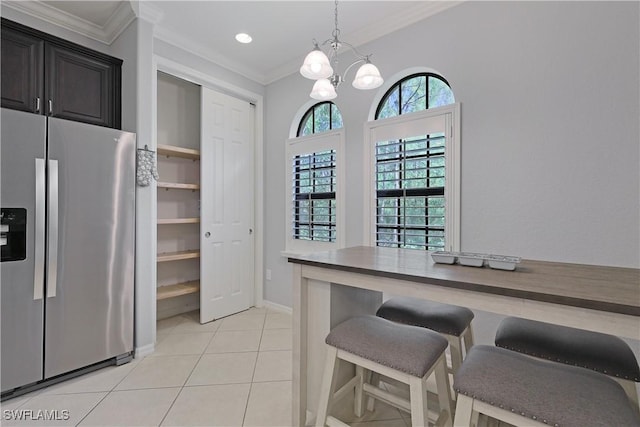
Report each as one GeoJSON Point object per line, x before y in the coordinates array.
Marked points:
{"type": "Point", "coordinates": [374, 381]}
{"type": "Point", "coordinates": [464, 409]}
{"type": "Point", "coordinates": [358, 407]}
{"type": "Point", "coordinates": [442, 384]}
{"type": "Point", "coordinates": [455, 349]}
{"type": "Point", "coordinates": [328, 384]}
{"type": "Point", "coordinates": [418, 392]}
{"type": "Point", "coordinates": [468, 339]}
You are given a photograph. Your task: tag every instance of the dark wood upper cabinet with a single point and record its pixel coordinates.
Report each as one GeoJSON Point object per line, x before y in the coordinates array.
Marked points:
{"type": "Point", "coordinates": [22, 76]}
{"type": "Point", "coordinates": [80, 87]}
{"type": "Point", "coordinates": [48, 75]}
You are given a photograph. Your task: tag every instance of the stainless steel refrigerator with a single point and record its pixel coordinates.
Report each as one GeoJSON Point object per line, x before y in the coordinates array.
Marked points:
{"type": "Point", "coordinates": [67, 225]}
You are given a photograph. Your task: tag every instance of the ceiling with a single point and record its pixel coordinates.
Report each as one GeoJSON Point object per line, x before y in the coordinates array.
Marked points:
{"type": "Point", "coordinates": [282, 31]}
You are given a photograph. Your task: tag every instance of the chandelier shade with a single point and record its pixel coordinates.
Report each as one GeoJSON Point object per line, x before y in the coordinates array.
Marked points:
{"type": "Point", "coordinates": [322, 67]}
{"type": "Point", "coordinates": [316, 65]}
{"type": "Point", "coordinates": [367, 77]}
{"type": "Point", "coordinates": [323, 90]}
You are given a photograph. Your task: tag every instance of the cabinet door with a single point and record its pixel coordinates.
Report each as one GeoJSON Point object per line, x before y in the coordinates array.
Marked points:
{"type": "Point", "coordinates": [22, 72]}
{"type": "Point", "coordinates": [82, 87]}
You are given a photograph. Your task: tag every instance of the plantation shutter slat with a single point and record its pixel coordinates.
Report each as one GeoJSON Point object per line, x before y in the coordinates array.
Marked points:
{"type": "Point", "coordinates": [314, 196]}
{"type": "Point", "coordinates": [410, 179]}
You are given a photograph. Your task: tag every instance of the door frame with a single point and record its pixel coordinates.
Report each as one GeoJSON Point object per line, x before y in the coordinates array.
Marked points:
{"type": "Point", "coordinates": [181, 71]}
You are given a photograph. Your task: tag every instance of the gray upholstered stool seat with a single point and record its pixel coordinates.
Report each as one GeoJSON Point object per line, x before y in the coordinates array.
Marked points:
{"type": "Point", "coordinates": [450, 320]}
{"type": "Point", "coordinates": [603, 353]}
{"type": "Point", "coordinates": [407, 354]}
{"type": "Point", "coordinates": [444, 318]}
{"type": "Point", "coordinates": [520, 390]}
{"type": "Point", "coordinates": [407, 349]}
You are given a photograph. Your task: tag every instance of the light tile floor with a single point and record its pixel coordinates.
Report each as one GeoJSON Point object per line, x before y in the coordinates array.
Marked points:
{"type": "Point", "coordinates": [232, 372]}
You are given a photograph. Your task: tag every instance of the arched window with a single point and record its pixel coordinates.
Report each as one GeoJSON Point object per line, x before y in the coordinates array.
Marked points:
{"type": "Point", "coordinates": [416, 92]}
{"type": "Point", "coordinates": [410, 161]}
{"type": "Point", "coordinates": [321, 117]}
{"type": "Point", "coordinates": [315, 172]}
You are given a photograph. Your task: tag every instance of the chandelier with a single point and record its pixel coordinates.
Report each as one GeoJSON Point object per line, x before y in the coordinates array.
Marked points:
{"type": "Point", "coordinates": [322, 67]}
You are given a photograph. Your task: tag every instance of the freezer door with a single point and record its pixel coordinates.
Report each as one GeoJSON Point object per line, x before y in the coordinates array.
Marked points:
{"type": "Point", "coordinates": [91, 214]}
{"type": "Point", "coordinates": [22, 150]}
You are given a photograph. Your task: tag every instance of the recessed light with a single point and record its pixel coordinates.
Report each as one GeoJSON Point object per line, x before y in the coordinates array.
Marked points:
{"type": "Point", "coordinates": [243, 38]}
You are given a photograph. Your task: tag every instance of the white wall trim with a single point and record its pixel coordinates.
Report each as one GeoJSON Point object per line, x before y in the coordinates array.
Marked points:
{"type": "Point", "coordinates": [297, 118]}
{"type": "Point", "coordinates": [277, 307]}
{"type": "Point", "coordinates": [105, 34]}
{"type": "Point", "coordinates": [186, 73]}
{"type": "Point", "coordinates": [412, 14]}
{"type": "Point", "coordinates": [144, 10]}
{"type": "Point", "coordinates": [205, 52]}
{"type": "Point", "coordinates": [143, 351]}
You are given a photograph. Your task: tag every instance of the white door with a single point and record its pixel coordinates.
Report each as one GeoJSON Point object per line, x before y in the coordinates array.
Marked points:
{"type": "Point", "coordinates": [226, 242]}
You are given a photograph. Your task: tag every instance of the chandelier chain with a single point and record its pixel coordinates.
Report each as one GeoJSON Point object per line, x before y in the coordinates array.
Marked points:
{"type": "Point", "coordinates": [336, 31]}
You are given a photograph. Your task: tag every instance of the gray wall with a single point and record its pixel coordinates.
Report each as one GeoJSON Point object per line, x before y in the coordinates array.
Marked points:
{"type": "Point", "coordinates": [550, 129]}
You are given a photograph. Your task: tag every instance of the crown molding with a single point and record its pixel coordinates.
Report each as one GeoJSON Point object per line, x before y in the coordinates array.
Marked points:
{"type": "Point", "coordinates": [119, 21]}
{"type": "Point", "coordinates": [412, 14]}
{"type": "Point", "coordinates": [144, 10]}
{"type": "Point", "coordinates": [419, 11]}
{"type": "Point", "coordinates": [106, 34]}
{"type": "Point", "coordinates": [201, 50]}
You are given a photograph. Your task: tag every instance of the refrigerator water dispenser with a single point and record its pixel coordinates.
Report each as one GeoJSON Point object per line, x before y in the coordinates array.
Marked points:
{"type": "Point", "coordinates": [13, 234]}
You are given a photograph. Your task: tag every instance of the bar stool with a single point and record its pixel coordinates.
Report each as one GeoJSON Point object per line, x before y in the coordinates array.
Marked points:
{"type": "Point", "coordinates": [452, 321]}
{"type": "Point", "coordinates": [524, 391]}
{"type": "Point", "coordinates": [405, 353]}
{"type": "Point", "coordinates": [603, 353]}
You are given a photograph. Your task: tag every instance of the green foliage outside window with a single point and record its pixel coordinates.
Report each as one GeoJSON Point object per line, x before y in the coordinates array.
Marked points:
{"type": "Point", "coordinates": [411, 95]}
{"type": "Point", "coordinates": [320, 118]}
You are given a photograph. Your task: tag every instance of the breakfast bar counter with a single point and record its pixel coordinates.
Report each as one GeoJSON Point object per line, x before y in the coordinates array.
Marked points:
{"type": "Point", "coordinates": [330, 287]}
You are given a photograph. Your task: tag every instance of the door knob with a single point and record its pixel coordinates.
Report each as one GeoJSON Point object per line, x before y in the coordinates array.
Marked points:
{"type": "Point", "coordinates": [207, 234]}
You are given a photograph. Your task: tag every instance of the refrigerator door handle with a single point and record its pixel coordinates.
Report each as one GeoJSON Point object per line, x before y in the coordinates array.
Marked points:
{"type": "Point", "coordinates": [38, 277]}
{"type": "Point", "coordinates": [52, 257]}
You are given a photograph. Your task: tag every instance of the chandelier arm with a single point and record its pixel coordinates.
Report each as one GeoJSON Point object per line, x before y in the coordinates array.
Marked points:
{"type": "Point", "coordinates": [357, 53]}
{"type": "Point", "coordinates": [353, 49]}
{"type": "Point", "coordinates": [344, 75]}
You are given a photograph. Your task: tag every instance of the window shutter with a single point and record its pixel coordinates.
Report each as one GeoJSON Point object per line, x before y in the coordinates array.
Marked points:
{"type": "Point", "coordinates": [314, 196]}
{"type": "Point", "coordinates": [410, 181]}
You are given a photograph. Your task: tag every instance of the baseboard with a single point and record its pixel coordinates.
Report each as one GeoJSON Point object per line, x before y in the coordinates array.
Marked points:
{"type": "Point", "coordinates": [277, 307]}
{"type": "Point", "coordinates": [143, 351]}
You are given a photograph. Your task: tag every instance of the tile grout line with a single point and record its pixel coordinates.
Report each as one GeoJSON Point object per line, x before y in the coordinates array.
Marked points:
{"type": "Point", "coordinates": [246, 406]}
{"type": "Point", "coordinates": [189, 376]}
{"type": "Point", "coordinates": [93, 408]}
{"type": "Point", "coordinates": [106, 395]}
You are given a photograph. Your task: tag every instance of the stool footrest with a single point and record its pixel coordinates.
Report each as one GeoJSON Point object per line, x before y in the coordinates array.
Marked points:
{"type": "Point", "coordinates": [345, 389]}
{"type": "Point", "coordinates": [334, 422]}
{"type": "Point", "coordinates": [386, 397]}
